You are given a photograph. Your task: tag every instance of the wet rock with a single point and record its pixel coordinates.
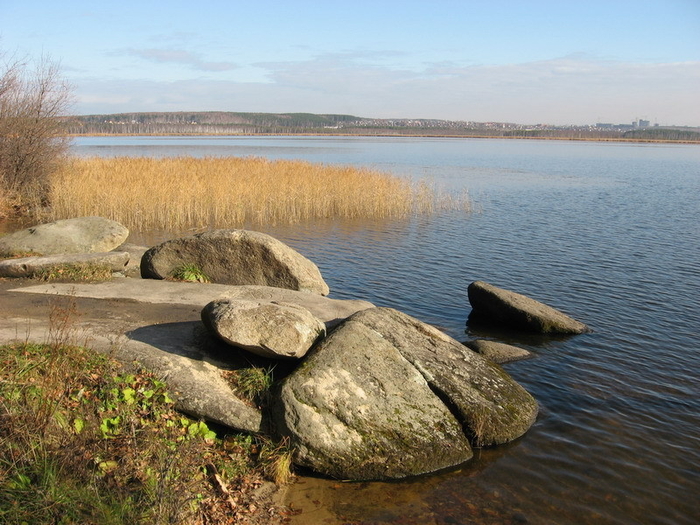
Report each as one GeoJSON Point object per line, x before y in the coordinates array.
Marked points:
{"type": "Point", "coordinates": [30, 266]}
{"type": "Point", "coordinates": [239, 257]}
{"type": "Point", "coordinates": [81, 235]}
{"type": "Point", "coordinates": [268, 329]}
{"type": "Point", "coordinates": [511, 310]}
{"type": "Point", "coordinates": [386, 396]}
{"type": "Point", "coordinates": [499, 353]}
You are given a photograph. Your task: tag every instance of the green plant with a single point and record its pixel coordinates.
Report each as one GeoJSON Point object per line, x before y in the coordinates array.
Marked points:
{"type": "Point", "coordinates": [84, 441]}
{"type": "Point", "coordinates": [190, 272]}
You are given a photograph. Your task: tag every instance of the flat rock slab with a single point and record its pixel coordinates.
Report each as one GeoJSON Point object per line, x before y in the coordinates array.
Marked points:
{"type": "Point", "coordinates": [268, 329]}
{"type": "Point", "coordinates": [499, 353]}
{"type": "Point", "coordinates": [80, 235]}
{"type": "Point", "coordinates": [30, 266]}
{"type": "Point", "coordinates": [330, 311]}
{"type": "Point", "coordinates": [239, 257]}
{"type": "Point", "coordinates": [510, 310]}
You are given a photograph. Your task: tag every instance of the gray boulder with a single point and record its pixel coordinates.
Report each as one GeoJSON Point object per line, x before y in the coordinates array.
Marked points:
{"type": "Point", "coordinates": [135, 254]}
{"type": "Point", "coordinates": [80, 235]}
{"type": "Point", "coordinates": [386, 396]}
{"type": "Point", "coordinates": [268, 329]}
{"type": "Point", "coordinates": [499, 353]}
{"type": "Point", "coordinates": [239, 257]}
{"type": "Point", "coordinates": [30, 266]}
{"type": "Point", "coordinates": [511, 310]}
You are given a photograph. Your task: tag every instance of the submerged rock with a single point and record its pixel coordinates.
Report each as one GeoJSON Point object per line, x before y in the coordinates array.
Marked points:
{"type": "Point", "coordinates": [386, 396]}
{"type": "Point", "coordinates": [239, 257]}
{"type": "Point", "coordinates": [511, 310]}
{"type": "Point", "coordinates": [499, 353]}
{"type": "Point", "coordinates": [268, 329]}
{"type": "Point", "coordinates": [80, 235]}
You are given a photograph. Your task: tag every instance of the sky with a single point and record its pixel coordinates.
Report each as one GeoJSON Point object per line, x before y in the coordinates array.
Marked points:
{"type": "Point", "coordinates": [529, 61]}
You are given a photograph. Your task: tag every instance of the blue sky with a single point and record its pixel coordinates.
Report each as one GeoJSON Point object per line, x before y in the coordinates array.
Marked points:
{"type": "Point", "coordinates": [529, 61]}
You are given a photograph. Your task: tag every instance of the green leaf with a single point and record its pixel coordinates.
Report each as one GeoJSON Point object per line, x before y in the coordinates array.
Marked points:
{"type": "Point", "coordinates": [129, 396]}
{"type": "Point", "coordinates": [78, 425]}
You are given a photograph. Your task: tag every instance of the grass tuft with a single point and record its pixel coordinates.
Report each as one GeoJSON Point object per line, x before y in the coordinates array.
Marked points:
{"type": "Point", "coordinates": [251, 383]}
{"type": "Point", "coordinates": [177, 194]}
{"type": "Point", "coordinates": [190, 273]}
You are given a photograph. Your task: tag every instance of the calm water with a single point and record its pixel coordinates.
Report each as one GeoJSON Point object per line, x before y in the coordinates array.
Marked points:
{"type": "Point", "coordinates": [610, 234]}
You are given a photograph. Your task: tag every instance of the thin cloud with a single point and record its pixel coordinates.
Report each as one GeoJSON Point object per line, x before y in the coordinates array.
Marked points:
{"type": "Point", "coordinates": [180, 56]}
{"type": "Point", "coordinates": [566, 90]}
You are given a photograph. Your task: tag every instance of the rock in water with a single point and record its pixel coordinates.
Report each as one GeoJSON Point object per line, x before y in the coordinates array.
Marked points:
{"type": "Point", "coordinates": [268, 329]}
{"type": "Point", "coordinates": [386, 396]}
{"type": "Point", "coordinates": [238, 257]}
{"type": "Point", "coordinates": [511, 310]}
{"type": "Point", "coordinates": [81, 235]}
{"type": "Point", "coordinates": [499, 353]}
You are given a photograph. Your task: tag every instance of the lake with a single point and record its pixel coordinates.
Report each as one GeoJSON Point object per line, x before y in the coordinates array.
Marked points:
{"type": "Point", "coordinates": [608, 233]}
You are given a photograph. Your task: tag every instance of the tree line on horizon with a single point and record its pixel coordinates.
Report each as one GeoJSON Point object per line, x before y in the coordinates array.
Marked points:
{"type": "Point", "coordinates": [247, 123]}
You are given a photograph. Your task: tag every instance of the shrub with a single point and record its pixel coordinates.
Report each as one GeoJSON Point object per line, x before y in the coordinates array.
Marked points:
{"type": "Point", "coordinates": [33, 141]}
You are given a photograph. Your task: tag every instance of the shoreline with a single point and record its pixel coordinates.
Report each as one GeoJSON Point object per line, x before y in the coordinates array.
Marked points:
{"type": "Point", "coordinates": [390, 135]}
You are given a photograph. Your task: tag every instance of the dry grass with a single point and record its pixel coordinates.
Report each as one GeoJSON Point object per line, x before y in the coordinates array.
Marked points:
{"type": "Point", "coordinates": [184, 192]}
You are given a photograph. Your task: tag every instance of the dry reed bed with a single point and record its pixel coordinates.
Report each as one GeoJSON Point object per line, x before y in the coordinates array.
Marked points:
{"type": "Point", "coordinates": [181, 193]}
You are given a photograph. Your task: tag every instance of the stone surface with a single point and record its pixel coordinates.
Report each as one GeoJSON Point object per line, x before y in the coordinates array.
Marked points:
{"type": "Point", "coordinates": [268, 329]}
{"type": "Point", "coordinates": [511, 310]}
{"type": "Point", "coordinates": [487, 401]}
{"type": "Point", "coordinates": [499, 353]}
{"type": "Point", "coordinates": [80, 235]}
{"type": "Point", "coordinates": [29, 266]}
{"type": "Point", "coordinates": [330, 311]}
{"type": "Point", "coordinates": [239, 257]}
{"type": "Point", "coordinates": [387, 396]}
{"type": "Point", "coordinates": [133, 268]}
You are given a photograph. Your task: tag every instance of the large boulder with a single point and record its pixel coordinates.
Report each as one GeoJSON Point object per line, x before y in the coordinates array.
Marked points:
{"type": "Point", "coordinates": [386, 396]}
{"type": "Point", "coordinates": [81, 235]}
{"type": "Point", "coordinates": [510, 310]}
{"type": "Point", "coordinates": [30, 266]}
{"type": "Point", "coordinates": [239, 257]}
{"type": "Point", "coordinates": [268, 329]}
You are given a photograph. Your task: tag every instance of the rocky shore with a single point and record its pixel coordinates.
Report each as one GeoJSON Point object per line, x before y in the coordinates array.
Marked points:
{"type": "Point", "coordinates": [362, 393]}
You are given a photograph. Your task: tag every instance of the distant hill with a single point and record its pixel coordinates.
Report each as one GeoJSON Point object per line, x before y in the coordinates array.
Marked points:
{"type": "Point", "coordinates": [235, 123]}
{"type": "Point", "coordinates": [209, 122]}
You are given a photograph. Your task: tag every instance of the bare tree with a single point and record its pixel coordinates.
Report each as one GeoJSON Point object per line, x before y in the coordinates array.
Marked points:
{"type": "Point", "coordinates": [33, 142]}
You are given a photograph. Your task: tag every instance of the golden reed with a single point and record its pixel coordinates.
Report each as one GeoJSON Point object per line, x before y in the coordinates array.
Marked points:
{"type": "Point", "coordinates": [181, 193]}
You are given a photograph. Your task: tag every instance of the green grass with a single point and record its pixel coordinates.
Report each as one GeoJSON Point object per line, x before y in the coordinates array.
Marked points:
{"type": "Point", "coordinates": [83, 441]}
{"type": "Point", "coordinates": [191, 273]}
